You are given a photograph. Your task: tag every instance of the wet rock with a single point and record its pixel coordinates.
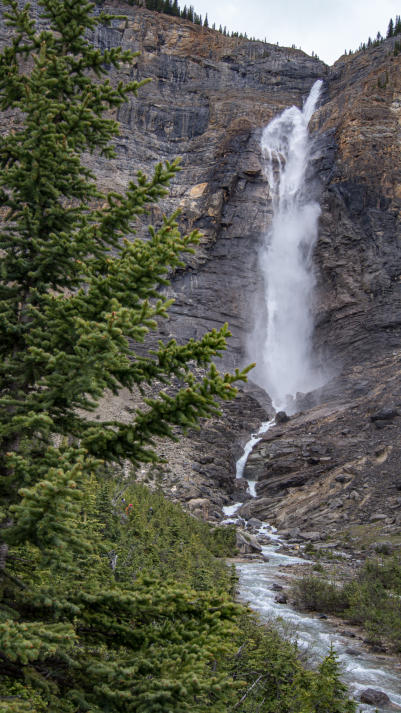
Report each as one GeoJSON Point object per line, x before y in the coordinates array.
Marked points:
{"type": "Point", "coordinates": [277, 587]}
{"type": "Point", "coordinates": [255, 507]}
{"type": "Point", "coordinates": [255, 523]}
{"type": "Point", "coordinates": [240, 488]}
{"type": "Point", "coordinates": [246, 543]}
{"type": "Point", "coordinates": [281, 417]}
{"type": "Point", "coordinates": [353, 652]}
{"type": "Point", "coordinates": [281, 599]}
{"type": "Point", "coordinates": [374, 697]}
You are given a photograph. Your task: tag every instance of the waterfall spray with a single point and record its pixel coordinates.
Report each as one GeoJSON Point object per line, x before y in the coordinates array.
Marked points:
{"type": "Point", "coordinates": [283, 343]}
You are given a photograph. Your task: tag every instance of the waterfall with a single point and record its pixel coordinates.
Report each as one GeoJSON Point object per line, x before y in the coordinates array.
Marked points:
{"type": "Point", "coordinates": [281, 343]}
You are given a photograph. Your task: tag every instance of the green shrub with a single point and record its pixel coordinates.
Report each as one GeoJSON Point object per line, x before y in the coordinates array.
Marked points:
{"type": "Point", "coordinates": [371, 599]}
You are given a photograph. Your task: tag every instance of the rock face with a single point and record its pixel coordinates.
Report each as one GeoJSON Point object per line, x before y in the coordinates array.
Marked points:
{"type": "Point", "coordinates": [208, 101]}
{"type": "Point", "coordinates": [336, 464]}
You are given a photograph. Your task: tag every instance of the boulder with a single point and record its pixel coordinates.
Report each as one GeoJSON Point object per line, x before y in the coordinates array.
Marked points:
{"type": "Point", "coordinates": [254, 508]}
{"type": "Point", "coordinates": [343, 478]}
{"type": "Point", "coordinates": [374, 697]}
{"type": "Point", "coordinates": [310, 536]}
{"type": "Point", "coordinates": [246, 543]}
{"type": "Point", "coordinates": [281, 599]}
{"type": "Point", "coordinates": [200, 507]}
{"type": "Point", "coordinates": [376, 517]}
{"type": "Point", "coordinates": [385, 414]}
{"type": "Point", "coordinates": [255, 523]}
{"type": "Point", "coordinates": [281, 417]}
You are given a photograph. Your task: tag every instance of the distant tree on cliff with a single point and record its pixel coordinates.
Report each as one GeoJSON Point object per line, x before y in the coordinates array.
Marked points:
{"type": "Point", "coordinates": [390, 29]}
{"type": "Point", "coordinates": [75, 297]}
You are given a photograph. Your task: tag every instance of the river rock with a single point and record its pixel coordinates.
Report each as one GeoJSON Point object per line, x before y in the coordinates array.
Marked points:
{"type": "Point", "coordinates": [246, 543]}
{"type": "Point", "coordinates": [254, 523]}
{"type": "Point", "coordinates": [374, 697]}
{"type": "Point", "coordinates": [281, 599]}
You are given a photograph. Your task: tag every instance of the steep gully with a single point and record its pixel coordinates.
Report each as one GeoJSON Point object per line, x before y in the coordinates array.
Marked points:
{"type": "Point", "coordinates": [282, 339]}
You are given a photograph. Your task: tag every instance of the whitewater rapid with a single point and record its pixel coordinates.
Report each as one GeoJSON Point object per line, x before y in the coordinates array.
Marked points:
{"type": "Point", "coordinates": [315, 636]}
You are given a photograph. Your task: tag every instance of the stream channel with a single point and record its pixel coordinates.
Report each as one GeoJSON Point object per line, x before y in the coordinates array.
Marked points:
{"type": "Point", "coordinates": [361, 669]}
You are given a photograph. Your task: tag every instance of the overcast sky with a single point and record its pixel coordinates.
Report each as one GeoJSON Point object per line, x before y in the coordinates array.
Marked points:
{"type": "Point", "coordinates": [327, 27]}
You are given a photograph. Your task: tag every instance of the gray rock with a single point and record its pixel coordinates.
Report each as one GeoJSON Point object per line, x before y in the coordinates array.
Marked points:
{"type": "Point", "coordinates": [246, 543]}
{"type": "Point", "coordinates": [376, 517]}
{"type": "Point", "coordinates": [343, 478]}
{"type": "Point", "coordinates": [310, 536]}
{"type": "Point", "coordinates": [385, 414]}
{"type": "Point", "coordinates": [254, 522]}
{"type": "Point", "coordinates": [291, 534]}
{"type": "Point", "coordinates": [374, 697]}
{"type": "Point", "coordinates": [281, 599]}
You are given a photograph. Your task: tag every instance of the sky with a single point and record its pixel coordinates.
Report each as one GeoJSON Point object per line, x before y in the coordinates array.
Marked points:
{"type": "Point", "coordinates": [326, 27]}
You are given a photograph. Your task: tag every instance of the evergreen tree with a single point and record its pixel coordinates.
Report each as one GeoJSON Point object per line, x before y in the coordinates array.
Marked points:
{"type": "Point", "coordinates": [397, 25]}
{"type": "Point", "coordinates": [390, 29]}
{"type": "Point", "coordinates": [75, 295]}
{"type": "Point", "coordinates": [206, 21]}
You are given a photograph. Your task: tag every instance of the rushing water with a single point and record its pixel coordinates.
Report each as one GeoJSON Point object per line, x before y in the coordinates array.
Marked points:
{"type": "Point", "coordinates": [281, 342]}
{"type": "Point", "coordinates": [315, 635]}
{"type": "Point", "coordinates": [256, 581]}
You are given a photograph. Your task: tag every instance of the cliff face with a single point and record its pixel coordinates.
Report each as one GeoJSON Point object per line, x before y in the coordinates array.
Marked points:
{"type": "Point", "coordinates": [209, 98]}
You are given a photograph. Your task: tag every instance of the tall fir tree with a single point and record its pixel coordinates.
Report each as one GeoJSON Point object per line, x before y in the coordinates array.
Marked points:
{"type": "Point", "coordinates": [77, 290]}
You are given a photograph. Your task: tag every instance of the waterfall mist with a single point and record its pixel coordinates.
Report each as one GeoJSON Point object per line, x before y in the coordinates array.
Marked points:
{"type": "Point", "coordinates": [281, 342]}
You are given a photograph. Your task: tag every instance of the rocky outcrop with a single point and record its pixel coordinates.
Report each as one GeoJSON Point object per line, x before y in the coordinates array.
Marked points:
{"type": "Point", "coordinates": [337, 464]}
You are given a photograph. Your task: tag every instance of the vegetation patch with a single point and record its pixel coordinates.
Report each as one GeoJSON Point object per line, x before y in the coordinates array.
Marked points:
{"type": "Point", "coordinates": [372, 598]}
